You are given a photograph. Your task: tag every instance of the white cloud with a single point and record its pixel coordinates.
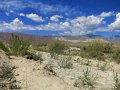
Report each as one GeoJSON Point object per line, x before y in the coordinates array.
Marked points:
{"type": "Point", "coordinates": [16, 21]}
{"type": "Point", "coordinates": [35, 17]}
{"type": "Point", "coordinates": [9, 5]}
{"type": "Point", "coordinates": [16, 24]}
{"type": "Point", "coordinates": [55, 17]}
{"type": "Point", "coordinates": [16, 5]}
{"type": "Point", "coordinates": [22, 14]}
{"type": "Point", "coordinates": [116, 24]}
{"type": "Point", "coordinates": [77, 26]}
{"type": "Point", "coordinates": [105, 14]}
{"type": "Point", "coordinates": [84, 25]}
{"type": "Point", "coordinates": [65, 24]}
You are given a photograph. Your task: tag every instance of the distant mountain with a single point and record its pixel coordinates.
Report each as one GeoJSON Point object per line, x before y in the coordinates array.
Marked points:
{"type": "Point", "coordinates": [5, 36]}
{"type": "Point", "coordinates": [92, 36]}
{"type": "Point", "coordinates": [87, 36]}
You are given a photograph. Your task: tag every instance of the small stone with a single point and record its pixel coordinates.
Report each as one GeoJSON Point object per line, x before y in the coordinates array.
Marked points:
{"type": "Point", "coordinates": [12, 57]}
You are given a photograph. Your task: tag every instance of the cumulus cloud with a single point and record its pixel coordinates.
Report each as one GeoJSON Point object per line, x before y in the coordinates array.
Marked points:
{"type": "Point", "coordinates": [105, 14]}
{"type": "Point", "coordinates": [55, 17]}
{"type": "Point", "coordinates": [35, 17]}
{"type": "Point", "coordinates": [16, 24]}
{"type": "Point", "coordinates": [83, 25]}
{"type": "Point", "coordinates": [77, 26]}
{"type": "Point", "coordinates": [65, 24]}
{"type": "Point", "coordinates": [22, 14]}
{"type": "Point", "coordinates": [116, 24]}
{"type": "Point", "coordinates": [16, 5]}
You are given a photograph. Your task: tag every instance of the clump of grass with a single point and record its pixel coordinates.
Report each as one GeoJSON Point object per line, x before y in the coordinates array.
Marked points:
{"type": "Point", "coordinates": [49, 69]}
{"type": "Point", "coordinates": [65, 63]}
{"type": "Point", "coordinates": [57, 47]}
{"type": "Point", "coordinates": [33, 56]}
{"type": "Point", "coordinates": [116, 55]}
{"type": "Point", "coordinates": [17, 46]}
{"type": "Point", "coordinates": [88, 79]}
{"type": "Point", "coordinates": [96, 49]}
{"type": "Point", "coordinates": [7, 79]}
{"type": "Point", "coordinates": [14, 87]}
{"type": "Point", "coordinates": [40, 47]}
{"type": "Point", "coordinates": [6, 73]}
{"type": "Point", "coordinates": [3, 46]}
{"type": "Point", "coordinates": [102, 67]}
{"type": "Point", "coordinates": [116, 81]}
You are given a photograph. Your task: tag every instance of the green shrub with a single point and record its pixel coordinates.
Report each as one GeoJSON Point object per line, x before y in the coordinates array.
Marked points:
{"type": "Point", "coordinates": [65, 63]}
{"type": "Point", "coordinates": [116, 81]}
{"type": "Point", "coordinates": [7, 79]}
{"type": "Point", "coordinates": [116, 55]}
{"type": "Point", "coordinates": [49, 69]}
{"type": "Point", "coordinates": [17, 46]}
{"type": "Point", "coordinates": [40, 47]}
{"type": "Point", "coordinates": [3, 47]}
{"type": "Point", "coordinates": [88, 79]}
{"type": "Point", "coordinates": [6, 73]}
{"type": "Point", "coordinates": [57, 47]}
{"type": "Point", "coordinates": [96, 49]}
{"type": "Point", "coordinates": [33, 56]}
{"type": "Point", "coordinates": [102, 67]}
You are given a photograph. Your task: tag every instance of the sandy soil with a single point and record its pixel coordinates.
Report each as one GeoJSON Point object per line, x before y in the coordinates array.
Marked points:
{"type": "Point", "coordinates": [31, 76]}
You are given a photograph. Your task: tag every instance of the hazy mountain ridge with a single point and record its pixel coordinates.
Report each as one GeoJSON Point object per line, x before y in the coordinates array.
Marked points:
{"type": "Point", "coordinates": [4, 36]}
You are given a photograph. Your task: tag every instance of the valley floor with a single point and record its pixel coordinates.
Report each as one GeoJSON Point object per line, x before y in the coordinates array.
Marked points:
{"type": "Point", "coordinates": [31, 74]}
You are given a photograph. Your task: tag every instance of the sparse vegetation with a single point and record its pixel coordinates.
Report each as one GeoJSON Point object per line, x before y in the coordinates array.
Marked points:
{"type": "Point", "coordinates": [88, 79]}
{"type": "Point", "coordinates": [96, 49]}
{"type": "Point", "coordinates": [33, 56]}
{"type": "Point", "coordinates": [103, 66]}
{"type": "Point", "coordinates": [62, 64]}
{"type": "Point", "coordinates": [116, 81]}
{"type": "Point", "coordinates": [6, 73]}
{"type": "Point", "coordinates": [116, 55]}
{"type": "Point", "coordinates": [49, 69]}
{"type": "Point", "coordinates": [3, 47]}
{"type": "Point", "coordinates": [40, 47]}
{"type": "Point", "coordinates": [65, 63]}
{"type": "Point", "coordinates": [17, 46]}
{"type": "Point", "coordinates": [57, 47]}
{"type": "Point", "coordinates": [7, 80]}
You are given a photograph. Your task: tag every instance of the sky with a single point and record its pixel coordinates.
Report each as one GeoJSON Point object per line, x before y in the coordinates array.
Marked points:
{"type": "Point", "coordinates": [60, 17]}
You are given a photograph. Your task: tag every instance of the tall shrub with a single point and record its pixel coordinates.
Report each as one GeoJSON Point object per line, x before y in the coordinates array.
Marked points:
{"type": "Point", "coordinates": [18, 46]}
{"type": "Point", "coordinates": [96, 49]}
{"type": "Point", "coordinates": [57, 47]}
{"type": "Point", "coordinates": [3, 47]}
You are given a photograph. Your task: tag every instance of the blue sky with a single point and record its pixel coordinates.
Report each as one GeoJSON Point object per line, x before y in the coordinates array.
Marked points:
{"type": "Point", "coordinates": [60, 17]}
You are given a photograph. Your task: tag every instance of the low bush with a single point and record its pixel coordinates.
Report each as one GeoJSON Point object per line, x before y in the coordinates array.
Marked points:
{"type": "Point", "coordinates": [88, 79]}
{"type": "Point", "coordinates": [3, 46]}
{"type": "Point", "coordinates": [116, 55]}
{"type": "Point", "coordinates": [116, 81]}
{"type": "Point", "coordinates": [33, 56]}
{"type": "Point", "coordinates": [6, 73]}
{"type": "Point", "coordinates": [57, 47]}
{"type": "Point", "coordinates": [7, 79]}
{"type": "Point", "coordinates": [96, 49]}
{"type": "Point", "coordinates": [65, 63]}
{"type": "Point", "coordinates": [17, 46]}
{"type": "Point", "coordinates": [40, 47]}
{"type": "Point", "coordinates": [49, 69]}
